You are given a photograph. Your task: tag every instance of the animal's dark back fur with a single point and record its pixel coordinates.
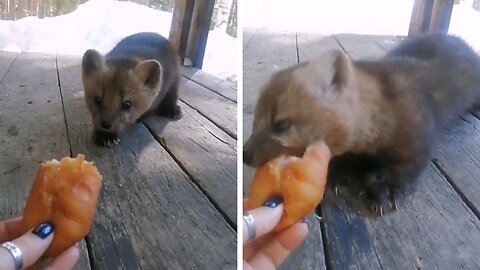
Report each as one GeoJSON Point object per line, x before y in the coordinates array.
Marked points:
{"type": "Point", "coordinates": [435, 71]}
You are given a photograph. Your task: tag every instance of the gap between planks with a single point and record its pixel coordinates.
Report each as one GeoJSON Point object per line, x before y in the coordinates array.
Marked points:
{"type": "Point", "coordinates": [232, 135]}
{"type": "Point", "coordinates": [462, 195]}
{"type": "Point", "coordinates": [63, 107]}
{"type": "Point", "coordinates": [230, 222]}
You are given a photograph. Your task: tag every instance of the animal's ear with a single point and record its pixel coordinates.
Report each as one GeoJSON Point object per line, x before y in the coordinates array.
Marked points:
{"type": "Point", "coordinates": [148, 72]}
{"type": "Point", "coordinates": [92, 61]}
{"type": "Point", "coordinates": [342, 69]}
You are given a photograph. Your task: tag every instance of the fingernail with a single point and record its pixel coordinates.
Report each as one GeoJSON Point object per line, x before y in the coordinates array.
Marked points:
{"type": "Point", "coordinates": [44, 230]}
{"type": "Point", "coordinates": [274, 202]}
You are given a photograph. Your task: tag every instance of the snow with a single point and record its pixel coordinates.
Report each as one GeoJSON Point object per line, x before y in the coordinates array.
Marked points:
{"type": "Point", "coordinates": [372, 17]}
{"type": "Point", "coordinates": [100, 24]}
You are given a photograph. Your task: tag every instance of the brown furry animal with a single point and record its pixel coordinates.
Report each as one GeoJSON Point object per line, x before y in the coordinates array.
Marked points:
{"type": "Point", "coordinates": [379, 118]}
{"type": "Point", "coordinates": [139, 76]}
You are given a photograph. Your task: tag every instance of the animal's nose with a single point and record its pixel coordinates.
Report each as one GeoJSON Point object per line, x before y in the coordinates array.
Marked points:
{"type": "Point", "coordinates": [247, 157]}
{"type": "Point", "coordinates": [105, 124]}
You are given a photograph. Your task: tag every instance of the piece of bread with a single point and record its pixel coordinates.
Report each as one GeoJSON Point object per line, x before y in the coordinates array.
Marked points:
{"type": "Point", "coordinates": [65, 192]}
{"type": "Point", "coordinates": [299, 181]}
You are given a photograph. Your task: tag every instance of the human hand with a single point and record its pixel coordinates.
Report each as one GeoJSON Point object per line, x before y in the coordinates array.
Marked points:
{"type": "Point", "coordinates": [267, 250]}
{"type": "Point", "coordinates": [32, 245]}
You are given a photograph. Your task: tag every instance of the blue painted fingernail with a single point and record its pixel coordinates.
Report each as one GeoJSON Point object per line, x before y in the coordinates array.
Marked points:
{"type": "Point", "coordinates": [44, 230]}
{"type": "Point", "coordinates": [274, 202]}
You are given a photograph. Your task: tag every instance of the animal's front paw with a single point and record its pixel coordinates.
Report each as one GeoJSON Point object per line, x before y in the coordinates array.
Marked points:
{"type": "Point", "coordinates": [382, 194]}
{"type": "Point", "coordinates": [104, 139]}
{"type": "Point", "coordinates": [173, 113]}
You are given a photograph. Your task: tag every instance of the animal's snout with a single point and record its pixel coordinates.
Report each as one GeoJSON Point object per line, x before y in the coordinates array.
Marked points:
{"type": "Point", "coordinates": [104, 124]}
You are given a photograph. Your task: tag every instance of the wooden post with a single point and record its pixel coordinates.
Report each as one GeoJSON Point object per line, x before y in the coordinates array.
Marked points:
{"type": "Point", "coordinates": [180, 28]}
{"type": "Point", "coordinates": [430, 16]}
{"type": "Point", "coordinates": [197, 40]}
{"type": "Point", "coordinates": [190, 27]}
{"type": "Point", "coordinates": [441, 14]}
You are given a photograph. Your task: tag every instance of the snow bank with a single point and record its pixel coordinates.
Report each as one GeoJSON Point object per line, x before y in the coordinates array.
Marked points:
{"type": "Point", "coordinates": [100, 24]}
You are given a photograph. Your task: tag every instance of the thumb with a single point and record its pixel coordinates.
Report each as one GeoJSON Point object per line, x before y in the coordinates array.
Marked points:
{"type": "Point", "coordinates": [32, 245]}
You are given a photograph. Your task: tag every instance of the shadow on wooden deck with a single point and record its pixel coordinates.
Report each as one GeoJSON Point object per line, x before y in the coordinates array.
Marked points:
{"type": "Point", "coordinates": [169, 189]}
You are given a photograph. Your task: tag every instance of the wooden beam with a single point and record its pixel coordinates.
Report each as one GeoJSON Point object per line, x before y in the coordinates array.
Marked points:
{"type": "Point", "coordinates": [421, 14]}
{"type": "Point", "coordinates": [180, 28]}
{"type": "Point", "coordinates": [430, 16]}
{"type": "Point", "coordinates": [197, 40]}
{"type": "Point", "coordinates": [441, 14]}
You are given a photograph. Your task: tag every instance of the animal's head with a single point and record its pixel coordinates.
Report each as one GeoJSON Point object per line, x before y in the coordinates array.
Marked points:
{"type": "Point", "coordinates": [301, 105]}
{"type": "Point", "coordinates": [118, 92]}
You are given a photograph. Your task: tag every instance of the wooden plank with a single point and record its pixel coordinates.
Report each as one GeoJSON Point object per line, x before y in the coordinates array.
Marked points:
{"type": "Point", "coordinates": [267, 52]}
{"type": "Point", "coordinates": [151, 216]}
{"type": "Point", "coordinates": [458, 156]}
{"type": "Point", "coordinates": [180, 27]}
{"type": "Point", "coordinates": [33, 128]}
{"type": "Point", "coordinates": [421, 15]}
{"type": "Point", "coordinates": [441, 14]}
{"type": "Point", "coordinates": [197, 39]}
{"type": "Point", "coordinates": [359, 46]}
{"type": "Point", "coordinates": [219, 110]}
{"type": "Point", "coordinates": [206, 152]}
{"type": "Point", "coordinates": [6, 60]}
{"type": "Point", "coordinates": [215, 84]}
{"type": "Point", "coordinates": [433, 229]}
{"type": "Point", "coordinates": [312, 46]}
{"type": "Point", "coordinates": [435, 211]}
{"type": "Point", "coordinates": [387, 43]}
{"type": "Point", "coordinates": [248, 34]}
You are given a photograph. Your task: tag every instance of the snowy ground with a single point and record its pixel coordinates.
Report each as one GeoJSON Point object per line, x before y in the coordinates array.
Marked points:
{"type": "Point", "coordinates": [100, 24]}
{"type": "Point", "coordinates": [374, 17]}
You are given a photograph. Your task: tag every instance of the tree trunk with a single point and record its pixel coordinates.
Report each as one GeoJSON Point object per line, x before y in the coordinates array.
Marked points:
{"type": "Point", "coordinates": [232, 20]}
{"type": "Point", "coordinates": [221, 14]}
{"type": "Point", "coordinates": [22, 8]}
{"type": "Point", "coordinates": [476, 5]}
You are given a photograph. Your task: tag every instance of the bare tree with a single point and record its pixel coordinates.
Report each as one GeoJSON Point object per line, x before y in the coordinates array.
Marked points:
{"type": "Point", "coordinates": [232, 20]}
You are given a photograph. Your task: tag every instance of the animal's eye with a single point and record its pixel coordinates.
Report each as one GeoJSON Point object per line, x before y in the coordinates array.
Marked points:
{"type": "Point", "coordinates": [126, 105]}
{"type": "Point", "coordinates": [281, 126]}
{"type": "Point", "coordinates": [98, 100]}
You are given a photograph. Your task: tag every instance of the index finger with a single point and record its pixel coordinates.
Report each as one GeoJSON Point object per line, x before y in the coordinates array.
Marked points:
{"type": "Point", "coordinates": [10, 229]}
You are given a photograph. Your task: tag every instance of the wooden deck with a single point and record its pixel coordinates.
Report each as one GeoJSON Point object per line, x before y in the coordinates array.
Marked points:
{"type": "Point", "coordinates": [169, 190]}
{"type": "Point", "coordinates": [438, 227]}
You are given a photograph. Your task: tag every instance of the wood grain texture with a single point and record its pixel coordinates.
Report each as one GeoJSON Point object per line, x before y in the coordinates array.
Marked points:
{"type": "Point", "coordinates": [421, 15]}
{"type": "Point", "coordinates": [199, 29]}
{"type": "Point", "coordinates": [268, 52]}
{"type": "Point", "coordinates": [215, 84]}
{"type": "Point", "coordinates": [180, 27]}
{"type": "Point", "coordinates": [248, 34]}
{"type": "Point", "coordinates": [6, 60]}
{"type": "Point", "coordinates": [206, 152]}
{"type": "Point", "coordinates": [387, 43]}
{"type": "Point", "coordinates": [217, 109]}
{"type": "Point", "coordinates": [33, 128]}
{"type": "Point", "coordinates": [458, 156]}
{"type": "Point", "coordinates": [312, 46]}
{"type": "Point", "coordinates": [151, 215]}
{"type": "Point", "coordinates": [433, 229]}
{"type": "Point", "coordinates": [441, 14]}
